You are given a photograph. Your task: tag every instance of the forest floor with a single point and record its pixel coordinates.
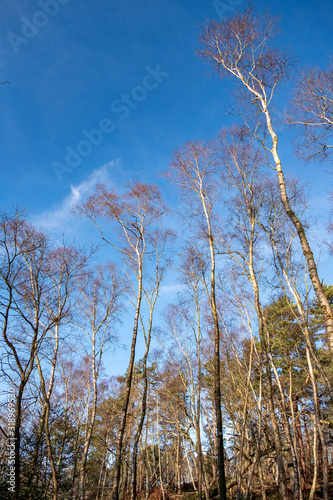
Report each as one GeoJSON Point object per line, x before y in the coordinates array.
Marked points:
{"type": "Point", "coordinates": [272, 493]}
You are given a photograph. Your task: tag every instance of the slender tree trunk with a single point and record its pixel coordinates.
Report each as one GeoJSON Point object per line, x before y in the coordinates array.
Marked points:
{"type": "Point", "coordinates": [296, 485]}
{"type": "Point", "coordinates": [250, 478]}
{"type": "Point", "coordinates": [117, 467]}
{"type": "Point", "coordinates": [17, 442]}
{"type": "Point", "coordinates": [33, 476]}
{"type": "Point", "coordinates": [318, 427]}
{"type": "Point", "coordinates": [178, 458]}
{"type": "Point", "coordinates": [64, 434]}
{"type": "Point", "coordinates": [307, 448]}
{"type": "Point", "coordinates": [215, 468]}
{"type": "Point", "coordinates": [144, 395]}
{"type": "Point", "coordinates": [307, 252]}
{"type": "Point", "coordinates": [199, 459]}
{"type": "Point", "coordinates": [198, 409]}
{"type": "Point", "coordinates": [16, 494]}
{"type": "Point", "coordinates": [75, 455]}
{"type": "Point", "coordinates": [315, 461]}
{"type": "Point", "coordinates": [205, 480]}
{"type": "Point", "coordinates": [263, 341]}
{"type": "Point", "coordinates": [25, 374]}
{"type": "Point", "coordinates": [275, 427]}
{"type": "Point", "coordinates": [217, 371]}
{"type": "Point", "coordinates": [104, 483]}
{"type": "Point", "coordinates": [309, 351]}
{"type": "Point", "coordinates": [301, 311]}
{"type": "Point", "coordinates": [90, 420]}
{"type": "Point", "coordinates": [159, 448]}
{"type": "Point", "coordinates": [125, 487]}
{"type": "Point", "coordinates": [50, 454]}
{"type": "Point", "coordinates": [261, 481]}
{"type": "Point", "coordinates": [139, 430]}
{"type": "Point", "coordinates": [146, 452]}
{"type": "Point", "coordinates": [298, 436]}
{"type": "Point", "coordinates": [244, 422]}
{"type": "Point", "coordinates": [217, 393]}
{"type": "Point", "coordinates": [101, 474]}
{"type": "Point", "coordinates": [47, 406]}
{"type": "Point", "coordinates": [190, 471]}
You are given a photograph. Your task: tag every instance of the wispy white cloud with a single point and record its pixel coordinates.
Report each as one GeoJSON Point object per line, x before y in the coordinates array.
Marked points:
{"type": "Point", "coordinates": [60, 216]}
{"type": "Point", "coordinates": [172, 289]}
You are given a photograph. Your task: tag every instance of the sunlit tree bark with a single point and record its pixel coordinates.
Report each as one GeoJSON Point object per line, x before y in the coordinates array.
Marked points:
{"type": "Point", "coordinates": [99, 306]}
{"type": "Point", "coordinates": [136, 214]}
{"type": "Point", "coordinates": [243, 48]}
{"type": "Point", "coordinates": [242, 166]}
{"type": "Point", "coordinates": [193, 170]}
{"type": "Point", "coordinates": [281, 239]}
{"type": "Point", "coordinates": [151, 291]}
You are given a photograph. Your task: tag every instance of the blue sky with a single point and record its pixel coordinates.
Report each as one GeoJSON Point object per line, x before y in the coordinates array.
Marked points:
{"type": "Point", "coordinates": [71, 64]}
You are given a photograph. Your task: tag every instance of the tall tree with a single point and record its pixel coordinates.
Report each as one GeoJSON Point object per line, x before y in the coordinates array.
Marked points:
{"type": "Point", "coordinates": [242, 168]}
{"type": "Point", "coordinates": [193, 170]}
{"type": "Point", "coordinates": [65, 266]}
{"type": "Point", "coordinates": [99, 306]}
{"type": "Point", "coordinates": [181, 339]}
{"type": "Point", "coordinates": [35, 284]}
{"type": "Point", "coordinates": [243, 47]}
{"type": "Point", "coordinates": [151, 290]}
{"type": "Point", "coordinates": [313, 112]}
{"type": "Point", "coordinates": [137, 213]}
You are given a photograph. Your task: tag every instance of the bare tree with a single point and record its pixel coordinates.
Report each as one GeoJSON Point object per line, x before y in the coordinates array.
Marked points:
{"type": "Point", "coordinates": [242, 168]}
{"type": "Point", "coordinates": [34, 301]}
{"type": "Point", "coordinates": [159, 240]}
{"type": "Point", "coordinates": [193, 276]}
{"type": "Point", "coordinates": [65, 264]}
{"type": "Point", "coordinates": [243, 48]}
{"type": "Point", "coordinates": [99, 306]}
{"type": "Point", "coordinates": [136, 213]}
{"type": "Point", "coordinates": [282, 239]}
{"type": "Point", "coordinates": [313, 112]}
{"type": "Point", "coordinates": [181, 339]}
{"type": "Point", "coordinates": [193, 170]}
